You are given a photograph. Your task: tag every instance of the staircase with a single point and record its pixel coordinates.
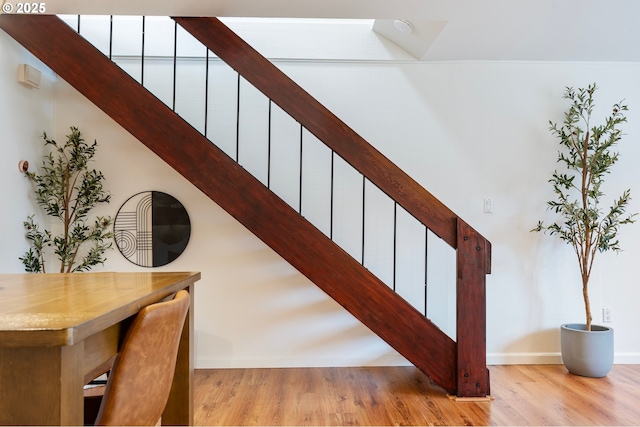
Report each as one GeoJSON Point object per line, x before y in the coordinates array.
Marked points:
{"type": "Point", "coordinates": [457, 366]}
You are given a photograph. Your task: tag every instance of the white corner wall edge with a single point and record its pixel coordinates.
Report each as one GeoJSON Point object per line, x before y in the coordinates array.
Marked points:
{"type": "Point", "coordinates": [550, 358]}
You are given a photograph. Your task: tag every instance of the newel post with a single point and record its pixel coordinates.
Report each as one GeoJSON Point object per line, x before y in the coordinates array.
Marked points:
{"type": "Point", "coordinates": [473, 259]}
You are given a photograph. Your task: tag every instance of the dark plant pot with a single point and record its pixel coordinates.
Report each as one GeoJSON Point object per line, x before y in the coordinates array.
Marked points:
{"type": "Point", "coordinates": [587, 353]}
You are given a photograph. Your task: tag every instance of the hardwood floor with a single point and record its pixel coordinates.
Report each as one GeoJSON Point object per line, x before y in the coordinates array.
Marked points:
{"type": "Point", "coordinates": [374, 396]}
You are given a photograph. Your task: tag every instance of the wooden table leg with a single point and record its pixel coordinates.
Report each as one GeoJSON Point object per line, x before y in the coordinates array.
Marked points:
{"type": "Point", "coordinates": [179, 409]}
{"type": "Point", "coordinates": [41, 385]}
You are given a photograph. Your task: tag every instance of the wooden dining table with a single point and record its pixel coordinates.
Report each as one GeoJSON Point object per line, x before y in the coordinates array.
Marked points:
{"type": "Point", "coordinates": [59, 331]}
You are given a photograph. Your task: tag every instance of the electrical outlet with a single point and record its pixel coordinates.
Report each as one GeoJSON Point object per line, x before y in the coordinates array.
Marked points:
{"type": "Point", "coordinates": [606, 315]}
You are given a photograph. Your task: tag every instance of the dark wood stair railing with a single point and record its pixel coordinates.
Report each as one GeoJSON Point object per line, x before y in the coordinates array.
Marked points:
{"type": "Point", "coordinates": [460, 368]}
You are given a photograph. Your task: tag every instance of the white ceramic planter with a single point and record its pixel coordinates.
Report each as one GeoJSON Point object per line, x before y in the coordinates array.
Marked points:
{"type": "Point", "coordinates": [587, 353]}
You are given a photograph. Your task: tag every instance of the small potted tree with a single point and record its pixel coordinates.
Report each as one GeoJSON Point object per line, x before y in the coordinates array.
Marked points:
{"type": "Point", "coordinates": [68, 189]}
{"type": "Point", "coordinates": [587, 155]}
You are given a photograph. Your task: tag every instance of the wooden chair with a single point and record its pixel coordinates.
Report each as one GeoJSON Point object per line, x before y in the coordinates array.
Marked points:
{"type": "Point", "coordinates": [140, 381]}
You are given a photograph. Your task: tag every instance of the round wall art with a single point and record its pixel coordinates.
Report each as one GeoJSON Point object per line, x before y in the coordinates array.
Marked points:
{"type": "Point", "coordinates": [152, 229]}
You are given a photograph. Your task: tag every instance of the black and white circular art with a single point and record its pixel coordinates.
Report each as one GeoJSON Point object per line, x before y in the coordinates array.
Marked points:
{"type": "Point", "coordinates": [152, 229]}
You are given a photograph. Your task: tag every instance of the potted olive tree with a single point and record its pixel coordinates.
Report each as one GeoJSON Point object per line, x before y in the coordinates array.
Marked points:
{"type": "Point", "coordinates": [586, 152]}
{"type": "Point", "coordinates": [68, 189]}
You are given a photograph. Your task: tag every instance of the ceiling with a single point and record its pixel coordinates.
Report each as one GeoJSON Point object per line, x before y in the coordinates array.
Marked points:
{"type": "Point", "coordinates": [530, 30]}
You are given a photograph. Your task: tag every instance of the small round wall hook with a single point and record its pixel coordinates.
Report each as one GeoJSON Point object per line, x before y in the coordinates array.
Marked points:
{"type": "Point", "coordinates": [23, 166]}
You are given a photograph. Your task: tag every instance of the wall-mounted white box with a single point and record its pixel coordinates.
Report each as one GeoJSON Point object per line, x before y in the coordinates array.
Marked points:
{"type": "Point", "coordinates": [29, 75]}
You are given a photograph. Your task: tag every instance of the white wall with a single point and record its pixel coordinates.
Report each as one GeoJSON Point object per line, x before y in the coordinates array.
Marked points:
{"type": "Point", "coordinates": [25, 112]}
{"type": "Point", "coordinates": [471, 130]}
{"type": "Point", "coordinates": [466, 131]}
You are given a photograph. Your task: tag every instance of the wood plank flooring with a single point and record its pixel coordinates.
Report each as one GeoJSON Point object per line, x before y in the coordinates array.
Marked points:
{"type": "Point", "coordinates": [375, 396]}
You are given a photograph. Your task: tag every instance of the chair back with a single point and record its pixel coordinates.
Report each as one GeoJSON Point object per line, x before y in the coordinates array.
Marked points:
{"type": "Point", "coordinates": [140, 381]}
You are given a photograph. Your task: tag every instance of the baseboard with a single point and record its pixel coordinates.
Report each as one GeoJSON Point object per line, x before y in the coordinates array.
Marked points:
{"type": "Point", "coordinates": [626, 358]}
{"type": "Point", "coordinates": [524, 359]}
{"type": "Point", "coordinates": [396, 360]}
{"type": "Point", "coordinates": [386, 360]}
{"type": "Point", "coordinates": [551, 358]}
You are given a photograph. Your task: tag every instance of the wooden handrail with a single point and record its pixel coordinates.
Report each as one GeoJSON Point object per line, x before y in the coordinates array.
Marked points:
{"type": "Point", "coordinates": [321, 122]}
